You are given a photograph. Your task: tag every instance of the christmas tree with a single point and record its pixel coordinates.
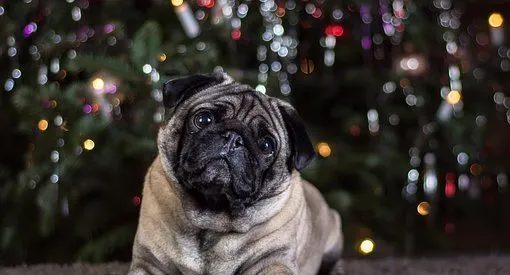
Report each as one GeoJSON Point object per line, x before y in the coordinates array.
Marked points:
{"type": "Point", "coordinates": [404, 100]}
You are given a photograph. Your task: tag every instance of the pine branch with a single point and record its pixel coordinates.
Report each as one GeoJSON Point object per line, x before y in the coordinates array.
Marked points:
{"type": "Point", "coordinates": [92, 64]}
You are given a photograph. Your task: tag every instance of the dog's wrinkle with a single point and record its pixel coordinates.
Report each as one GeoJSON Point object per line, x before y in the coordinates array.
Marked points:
{"type": "Point", "coordinates": [207, 239]}
{"type": "Point", "coordinates": [240, 182]}
{"type": "Point", "coordinates": [265, 255]}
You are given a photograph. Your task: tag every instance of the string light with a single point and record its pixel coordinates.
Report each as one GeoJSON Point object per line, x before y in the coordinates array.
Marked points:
{"type": "Point", "coordinates": [323, 149]}
{"type": "Point", "coordinates": [162, 57]}
{"type": "Point", "coordinates": [147, 68]}
{"type": "Point", "coordinates": [430, 181]}
{"type": "Point", "coordinates": [176, 3]}
{"type": "Point", "coordinates": [42, 125]}
{"type": "Point", "coordinates": [453, 97]}
{"type": "Point", "coordinates": [98, 84]}
{"type": "Point", "coordinates": [450, 188]}
{"type": "Point", "coordinates": [423, 208]}
{"type": "Point", "coordinates": [88, 144]}
{"type": "Point", "coordinates": [366, 246]}
{"type": "Point", "coordinates": [496, 20]}
{"type": "Point", "coordinates": [261, 88]}
{"type": "Point", "coordinates": [373, 121]}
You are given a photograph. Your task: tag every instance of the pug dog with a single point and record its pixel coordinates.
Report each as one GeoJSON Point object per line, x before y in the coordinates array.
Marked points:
{"type": "Point", "coordinates": [224, 195]}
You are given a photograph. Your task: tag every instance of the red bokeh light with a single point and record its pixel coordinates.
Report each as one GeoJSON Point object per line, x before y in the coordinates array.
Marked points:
{"type": "Point", "coordinates": [449, 189]}
{"type": "Point", "coordinates": [206, 3]}
{"type": "Point", "coordinates": [317, 13]}
{"type": "Point", "coordinates": [338, 30]}
{"type": "Point", "coordinates": [137, 200]}
{"type": "Point", "coordinates": [334, 30]}
{"type": "Point", "coordinates": [236, 34]}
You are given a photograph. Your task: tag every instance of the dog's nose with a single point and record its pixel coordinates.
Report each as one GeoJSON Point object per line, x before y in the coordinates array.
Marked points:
{"type": "Point", "coordinates": [233, 141]}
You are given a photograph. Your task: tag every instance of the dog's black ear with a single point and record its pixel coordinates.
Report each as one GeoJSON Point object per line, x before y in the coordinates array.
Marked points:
{"type": "Point", "coordinates": [300, 143]}
{"type": "Point", "coordinates": [176, 90]}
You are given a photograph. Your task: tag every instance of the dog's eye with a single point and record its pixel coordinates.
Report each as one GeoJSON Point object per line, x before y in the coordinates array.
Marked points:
{"type": "Point", "coordinates": [203, 119]}
{"type": "Point", "coordinates": [266, 144]}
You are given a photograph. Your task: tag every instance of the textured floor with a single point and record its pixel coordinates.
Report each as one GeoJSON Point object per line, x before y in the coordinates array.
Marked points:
{"type": "Point", "coordinates": [481, 265]}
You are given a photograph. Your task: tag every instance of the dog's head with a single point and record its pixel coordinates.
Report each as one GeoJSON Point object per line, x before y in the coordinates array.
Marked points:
{"type": "Point", "coordinates": [228, 148]}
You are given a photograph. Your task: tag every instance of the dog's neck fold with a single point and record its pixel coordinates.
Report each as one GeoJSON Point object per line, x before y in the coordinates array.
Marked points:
{"type": "Point", "coordinates": [158, 183]}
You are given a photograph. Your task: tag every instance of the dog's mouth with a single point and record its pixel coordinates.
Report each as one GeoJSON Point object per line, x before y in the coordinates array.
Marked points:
{"type": "Point", "coordinates": [212, 177]}
{"type": "Point", "coordinates": [220, 185]}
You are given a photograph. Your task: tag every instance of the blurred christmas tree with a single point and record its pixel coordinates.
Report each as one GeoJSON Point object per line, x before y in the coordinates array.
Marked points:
{"type": "Point", "coordinates": [402, 98]}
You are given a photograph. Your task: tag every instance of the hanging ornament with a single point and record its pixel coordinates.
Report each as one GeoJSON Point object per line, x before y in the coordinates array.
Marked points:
{"type": "Point", "coordinates": [186, 17]}
{"type": "Point", "coordinates": [278, 46]}
{"type": "Point", "coordinates": [452, 104]}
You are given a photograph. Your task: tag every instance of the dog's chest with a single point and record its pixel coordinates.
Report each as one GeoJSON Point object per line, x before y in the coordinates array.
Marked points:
{"type": "Point", "coordinates": [212, 253]}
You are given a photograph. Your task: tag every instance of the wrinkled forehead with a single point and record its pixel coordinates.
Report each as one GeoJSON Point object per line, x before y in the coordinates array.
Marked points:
{"type": "Point", "coordinates": [244, 105]}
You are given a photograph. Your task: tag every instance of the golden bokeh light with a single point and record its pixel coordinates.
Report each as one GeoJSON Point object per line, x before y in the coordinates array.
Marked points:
{"type": "Point", "coordinates": [98, 84]}
{"type": "Point", "coordinates": [176, 3]}
{"type": "Point", "coordinates": [453, 97]}
{"type": "Point", "coordinates": [162, 57]}
{"type": "Point", "coordinates": [42, 125]}
{"type": "Point", "coordinates": [323, 149]}
{"type": "Point", "coordinates": [423, 208]}
{"type": "Point", "coordinates": [307, 66]}
{"type": "Point", "coordinates": [366, 246]}
{"type": "Point", "coordinates": [88, 144]}
{"type": "Point", "coordinates": [496, 20]}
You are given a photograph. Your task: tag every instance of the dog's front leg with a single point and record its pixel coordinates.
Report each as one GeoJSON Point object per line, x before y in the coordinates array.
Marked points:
{"type": "Point", "coordinates": [144, 268]}
{"type": "Point", "coordinates": [150, 266]}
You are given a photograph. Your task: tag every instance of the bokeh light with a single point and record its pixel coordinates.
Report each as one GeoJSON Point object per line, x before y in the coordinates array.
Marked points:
{"type": "Point", "coordinates": [176, 3]}
{"type": "Point", "coordinates": [323, 149]}
{"type": "Point", "coordinates": [423, 208]}
{"type": "Point", "coordinates": [98, 84]}
{"type": "Point", "coordinates": [453, 97]}
{"type": "Point", "coordinates": [89, 144]}
{"type": "Point", "coordinates": [496, 20]}
{"type": "Point", "coordinates": [42, 125]}
{"type": "Point", "coordinates": [137, 200]}
{"type": "Point", "coordinates": [366, 246]}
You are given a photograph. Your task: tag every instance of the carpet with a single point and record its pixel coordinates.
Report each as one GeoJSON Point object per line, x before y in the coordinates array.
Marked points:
{"type": "Point", "coordinates": [479, 265]}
